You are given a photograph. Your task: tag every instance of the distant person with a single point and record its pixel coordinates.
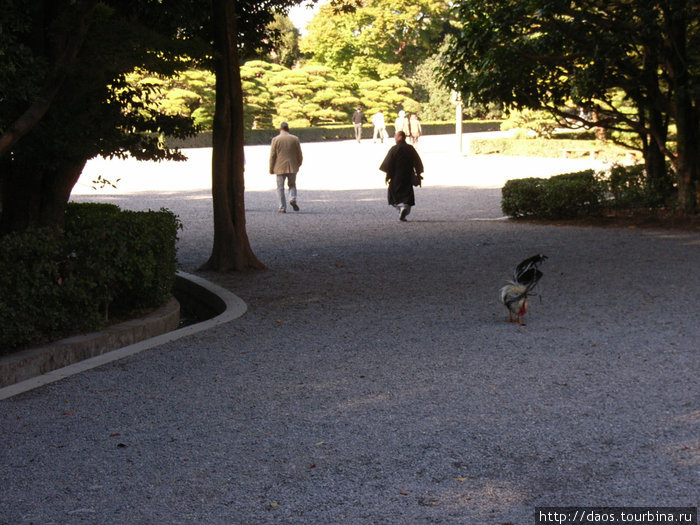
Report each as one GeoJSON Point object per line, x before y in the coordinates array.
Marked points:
{"type": "Point", "coordinates": [285, 160]}
{"type": "Point", "coordinates": [415, 127]}
{"type": "Point", "coordinates": [401, 124]}
{"type": "Point", "coordinates": [400, 165]}
{"type": "Point", "coordinates": [379, 127]}
{"type": "Point", "coordinates": [358, 118]}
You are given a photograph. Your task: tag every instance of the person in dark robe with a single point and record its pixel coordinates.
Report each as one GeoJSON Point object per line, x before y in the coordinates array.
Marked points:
{"type": "Point", "coordinates": [400, 165]}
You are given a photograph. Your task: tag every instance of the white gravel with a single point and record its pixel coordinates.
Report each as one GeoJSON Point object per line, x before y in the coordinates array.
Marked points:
{"type": "Point", "coordinates": [374, 378]}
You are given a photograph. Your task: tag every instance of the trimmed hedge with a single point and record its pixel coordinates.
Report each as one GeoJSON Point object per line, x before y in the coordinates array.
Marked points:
{"type": "Point", "coordinates": [628, 187]}
{"type": "Point", "coordinates": [336, 132]}
{"type": "Point", "coordinates": [554, 148]}
{"type": "Point", "coordinates": [583, 193]}
{"type": "Point", "coordinates": [560, 197]}
{"type": "Point", "coordinates": [108, 262]}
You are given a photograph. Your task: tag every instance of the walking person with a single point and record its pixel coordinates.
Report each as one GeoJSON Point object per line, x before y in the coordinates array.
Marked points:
{"type": "Point", "coordinates": [401, 164]}
{"type": "Point", "coordinates": [415, 127]}
{"type": "Point", "coordinates": [285, 160]}
{"type": "Point", "coordinates": [401, 124]}
{"type": "Point", "coordinates": [379, 127]}
{"type": "Point", "coordinates": [358, 118]}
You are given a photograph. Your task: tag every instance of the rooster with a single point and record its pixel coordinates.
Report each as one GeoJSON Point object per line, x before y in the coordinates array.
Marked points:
{"type": "Point", "coordinates": [514, 294]}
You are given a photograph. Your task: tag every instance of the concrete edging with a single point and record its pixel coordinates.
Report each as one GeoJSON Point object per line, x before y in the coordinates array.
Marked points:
{"type": "Point", "coordinates": [89, 351]}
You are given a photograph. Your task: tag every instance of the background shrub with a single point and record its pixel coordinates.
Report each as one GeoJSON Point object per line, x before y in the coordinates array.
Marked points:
{"type": "Point", "coordinates": [560, 197]}
{"type": "Point", "coordinates": [554, 148]}
{"type": "Point", "coordinates": [108, 262]}
{"type": "Point", "coordinates": [583, 193]}
{"type": "Point", "coordinates": [521, 197]}
{"type": "Point", "coordinates": [628, 187]}
{"type": "Point", "coordinates": [571, 195]}
{"type": "Point", "coordinates": [334, 132]}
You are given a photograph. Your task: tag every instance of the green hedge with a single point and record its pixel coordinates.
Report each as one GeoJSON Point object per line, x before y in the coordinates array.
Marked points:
{"type": "Point", "coordinates": [554, 148]}
{"type": "Point", "coordinates": [336, 132]}
{"type": "Point", "coordinates": [560, 197]}
{"type": "Point", "coordinates": [628, 187]}
{"type": "Point", "coordinates": [108, 263]}
{"type": "Point", "coordinates": [583, 193]}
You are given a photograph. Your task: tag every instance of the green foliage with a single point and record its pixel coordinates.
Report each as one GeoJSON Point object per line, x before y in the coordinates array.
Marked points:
{"type": "Point", "coordinates": [21, 71]}
{"type": "Point", "coordinates": [388, 95]}
{"type": "Point", "coordinates": [629, 187]}
{"type": "Point", "coordinates": [258, 105]}
{"type": "Point", "coordinates": [542, 123]}
{"type": "Point", "coordinates": [377, 34]}
{"type": "Point", "coordinates": [285, 42]}
{"type": "Point", "coordinates": [312, 95]}
{"type": "Point", "coordinates": [189, 94]}
{"type": "Point", "coordinates": [335, 132]}
{"type": "Point", "coordinates": [135, 263]}
{"type": "Point", "coordinates": [434, 97]}
{"type": "Point", "coordinates": [559, 197]}
{"type": "Point", "coordinates": [571, 195]}
{"type": "Point", "coordinates": [629, 67]}
{"type": "Point", "coordinates": [581, 194]}
{"type": "Point", "coordinates": [306, 96]}
{"type": "Point", "coordinates": [96, 112]}
{"type": "Point", "coordinates": [108, 260]}
{"type": "Point", "coordinates": [535, 147]}
{"type": "Point", "coordinates": [40, 298]}
{"type": "Point", "coordinates": [522, 197]}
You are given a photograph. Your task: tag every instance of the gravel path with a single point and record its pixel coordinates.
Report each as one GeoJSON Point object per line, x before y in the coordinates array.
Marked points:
{"type": "Point", "coordinates": [374, 378]}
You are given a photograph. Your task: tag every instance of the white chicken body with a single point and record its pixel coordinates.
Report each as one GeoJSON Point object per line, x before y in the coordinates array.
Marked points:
{"type": "Point", "coordinates": [514, 296]}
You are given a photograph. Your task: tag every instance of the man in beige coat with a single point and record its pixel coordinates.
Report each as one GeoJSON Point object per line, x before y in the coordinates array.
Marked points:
{"type": "Point", "coordinates": [285, 159]}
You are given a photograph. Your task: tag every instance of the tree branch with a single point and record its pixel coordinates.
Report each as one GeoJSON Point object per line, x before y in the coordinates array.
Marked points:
{"type": "Point", "coordinates": [36, 111]}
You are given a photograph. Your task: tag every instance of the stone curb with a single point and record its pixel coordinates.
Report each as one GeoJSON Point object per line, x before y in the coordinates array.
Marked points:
{"type": "Point", "coordinates": [33, 362]}
{"type": "Point", "coordinates": [40, 366]}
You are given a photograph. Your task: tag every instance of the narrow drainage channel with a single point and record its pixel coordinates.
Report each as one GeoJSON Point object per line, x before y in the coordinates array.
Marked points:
{"type": "Point", "coordinates": [196, 303]}
{"type": "Point", "coordinates": [189, 314]}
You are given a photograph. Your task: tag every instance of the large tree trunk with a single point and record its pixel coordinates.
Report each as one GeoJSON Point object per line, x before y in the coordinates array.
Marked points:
{"type": "Point", "coordinates": [654, 158]}
{"type": "Point", "coordinates": [36, 196]}
{"type": "Point", "coordinates": [231, 250]}
{"type": "Point", "coordinates": [686, 114]}
{"type": "Point", "coordinates": [688, 158]}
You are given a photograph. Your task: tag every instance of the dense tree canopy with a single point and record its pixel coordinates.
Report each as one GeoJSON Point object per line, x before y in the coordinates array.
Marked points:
{"type": "Point", "coordinates": [285, 39]}
{"type": "Point", "coordinates": [74, 66]}
{"type": "Point", "coordinates": [307, 95]}
{"type": "Point", "coordinates": [66, 95]}
{"type": "Point", "coordinates": [281, 85]}
{"type": "Point", "coordinates": [379, 38]}
{"type": "Point", "coordinates": [574, 58]}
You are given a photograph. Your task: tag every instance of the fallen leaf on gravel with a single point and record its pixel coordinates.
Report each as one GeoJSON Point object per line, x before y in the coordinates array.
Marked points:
{"type": "Point", "coordinates": [403, 493]}
{"type": "Point", "coordinates": [461, 480]}
{"type": "Point", "coordinates": [68, 413]}
{"type": "Point", "coordinates": [114, 435]}
{"type": "Point", "coordinates": [273, 505]}
{"type": "Point", "coordinates": [321, 443]}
